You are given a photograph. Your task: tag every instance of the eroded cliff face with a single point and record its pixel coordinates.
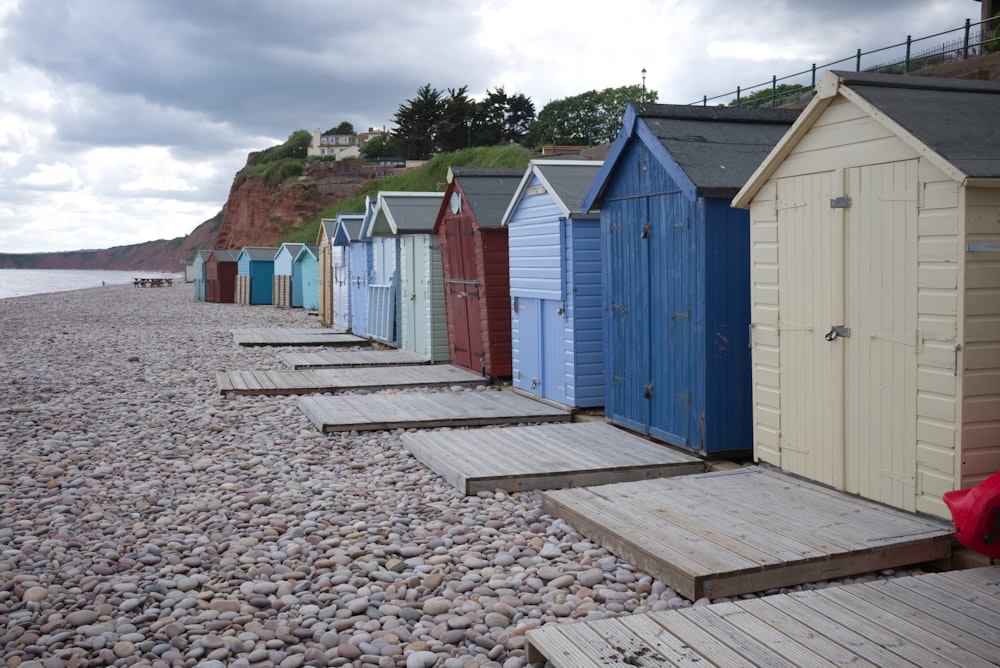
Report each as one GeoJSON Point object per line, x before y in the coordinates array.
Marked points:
{"type": "Point", "coordinates": [256, 215]}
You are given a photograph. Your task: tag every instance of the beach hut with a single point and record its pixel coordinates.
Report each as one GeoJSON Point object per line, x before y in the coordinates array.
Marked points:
{"type": "Point", "coordinates": [875, 225]}
{"type": "Point", "coordinates": [305, 278]}
{"type": "Point", "coordinates": [255, 271]}
{"type": "Point", "coordinates": [409, 217]}
{"type": "Point", "coordinates": [384, 310]}
{"type": "Point", "coordinates": [474, 263]}
{"type": "Point", "coordinates": [281, 279]}
{"type": "Point", "coordinates": [350, 305]}
{"type": "Point", "coordinates": [221, 268]}
{"type": "Point", "coordinates": [198, 270]}
{"type": "Point", "coordinates": [325, 257]}
{"type": "Point", "coordinates": [555, 284]}
{"type": "Point", "coordinates": [676, 271]}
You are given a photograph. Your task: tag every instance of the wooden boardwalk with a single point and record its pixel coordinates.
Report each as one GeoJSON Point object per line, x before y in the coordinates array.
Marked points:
{"type": "Point", "coordinates": [747, 530]}
{"type": "Point", "coordinates": [287, 381]}
{"type": "Point", "coordinates": [291, 336]}
{"type": "Point", "coordinates": [372, 412]}
{"type": "Point", "coordinates": [942, 619]}
{"type": "Point", "coordinates": [545, 456]}
{"type": "Point", "coordinates": [338, 359]}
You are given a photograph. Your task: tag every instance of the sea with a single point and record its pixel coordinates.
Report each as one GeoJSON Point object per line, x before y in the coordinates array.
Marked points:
{"type": "Point", "coordinates": [22, 282]}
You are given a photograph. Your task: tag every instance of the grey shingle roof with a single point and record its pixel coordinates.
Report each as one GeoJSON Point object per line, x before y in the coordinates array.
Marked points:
{"type": "Point", "coordinates": [413, 214]}
{"type": "Point", "coordinates": [570, 182]}
{"type": "Point", "coordinates": [488, 191]}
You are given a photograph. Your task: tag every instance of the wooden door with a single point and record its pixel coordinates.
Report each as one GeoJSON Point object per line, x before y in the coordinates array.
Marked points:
{"type": "Point", "coordinates": [413, 322]}
{"type": "Point", "coordinates": [529, 346]}
{"type": "Point", "coordinates": [340, 291]}
{"type": "Point", "coordinates": [462, 287]}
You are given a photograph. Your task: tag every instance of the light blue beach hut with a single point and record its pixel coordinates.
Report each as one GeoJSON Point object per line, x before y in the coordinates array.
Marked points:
{"type": "Point", "coordinates": [384, 310]}
{"type": "Point", "coordinates": [305, 278]}
{"type": "Point", "coordinates": [554, 252]}
{"type": "Point", "coordinates": [350, 302]}
{"type": "Point", "coordinates": [200, 273]}
{"type": "Point", "coordinates": [281, 280]}
{"type": "Point", "coordinates": [409, 217]}
{"type": "Point", "coordinates": [255, 269]}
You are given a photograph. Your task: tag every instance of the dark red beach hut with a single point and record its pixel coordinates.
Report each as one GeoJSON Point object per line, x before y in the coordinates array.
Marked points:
{"type": "Point", "coordinates": [220, 276]}
{"type": "Point", "coordinates": [474, 262]}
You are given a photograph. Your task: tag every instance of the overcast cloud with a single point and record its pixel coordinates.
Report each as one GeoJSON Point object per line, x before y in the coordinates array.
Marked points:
{"type": "Point", "coordinates": [124, 121]}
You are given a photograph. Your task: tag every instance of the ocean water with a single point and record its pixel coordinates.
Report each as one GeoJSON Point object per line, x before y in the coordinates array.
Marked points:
{"type": "Point", "coordinates": [21, 282]}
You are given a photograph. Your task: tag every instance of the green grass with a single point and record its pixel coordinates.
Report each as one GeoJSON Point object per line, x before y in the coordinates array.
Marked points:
{"type": "Point", "coordinates": [431, 177]}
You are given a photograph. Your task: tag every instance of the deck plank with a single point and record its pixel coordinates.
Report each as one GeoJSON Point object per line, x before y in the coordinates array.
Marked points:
{"type": "Point", "coordinates": [433, 409]}
{"type": "Point", "coordinates": [335, 359]}
{"type": "Point", "coordinates": [302, 381]}
{"type": "Point", "coordinates": [856, 625]}
{"type": "Point", "coordinates": [296, 336]}
{"type": "Point", "coordinates": [544, 456]}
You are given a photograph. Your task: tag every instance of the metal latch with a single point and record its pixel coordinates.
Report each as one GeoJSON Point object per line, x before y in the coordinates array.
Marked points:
{"type": "Point", "coordinates": [840, 203]}
{"type": "Point", "coordinates": [649, 390]}
{"type": "Point", "coordinates": [645, 230]}
{"type": "Point", "coordinates": [838, 331]}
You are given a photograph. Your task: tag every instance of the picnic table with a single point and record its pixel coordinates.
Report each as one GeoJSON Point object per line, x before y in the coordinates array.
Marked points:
{"type": "Point", "coordinates": [152, 282]}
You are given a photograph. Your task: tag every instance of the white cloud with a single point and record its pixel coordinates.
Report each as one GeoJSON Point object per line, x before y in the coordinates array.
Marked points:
{"type": "Point", "coordinates": [59, 176]}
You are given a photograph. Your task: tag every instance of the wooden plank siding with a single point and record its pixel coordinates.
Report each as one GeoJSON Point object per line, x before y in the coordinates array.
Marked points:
{"type": "Point", "coordinates": [303, 381]}
{"type": "Point", "coordinates": [545, 457]}
{"type": "Point", "coordinates": [372, 412]}
{"type": "Point", "coordinates": [747, 530]}
{"type": "Point", "coordinates": [947, 619]}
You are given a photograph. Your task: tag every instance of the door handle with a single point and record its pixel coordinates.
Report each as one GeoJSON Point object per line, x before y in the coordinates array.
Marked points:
{"type": "Point", "coordinates": [837, 331]}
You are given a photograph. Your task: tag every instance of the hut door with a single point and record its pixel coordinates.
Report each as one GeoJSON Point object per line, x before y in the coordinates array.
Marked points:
{"type": "Point", "coordinates": [811, 301]}
{"type": "Point", "coordinates": [880, 365]}
{"type": "Point", "coordinates": [411, 297]}
{"type": "Point", "coordinates": [462, 294]}
{"type": "Point", "coordinates": [341, 287]}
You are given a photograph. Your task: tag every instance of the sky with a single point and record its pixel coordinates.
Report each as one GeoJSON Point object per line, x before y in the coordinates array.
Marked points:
{"type": "Point", "coordinates": [123, 121]}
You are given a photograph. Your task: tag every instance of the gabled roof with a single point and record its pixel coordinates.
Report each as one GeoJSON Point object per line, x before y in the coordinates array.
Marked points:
{"type": "Point", "coordinates": [328, 228]}
{"type": "Point", "coordinates": [259, 253]}
{"type": "Point", "coordinates": [226, 255]}
{"type": "Point", "coordinates": [290, 248]}
{"type": "Point", "coordinates": [348, 229]}
{"type": "Point", "coordinates": [369, 215]}
{"type": "Point", "coordinates": [951, 122]}
{"type": "Point", "coordinates": [404, 213]}
{"type": "Point", "coordinates": [565, 181]}
{"type": "Point", "coordinates": [488, 191]}
{"type": "Point", "coordinates": [709, 151]}
{"type": "Point", "coordinates": [307, 250]}
{"type": "Point", "coordinates": [203, 254]}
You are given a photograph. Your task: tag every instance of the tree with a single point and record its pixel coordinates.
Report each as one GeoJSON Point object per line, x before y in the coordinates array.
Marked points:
{"type": "Point", "coordinates": [381, 146]}
{"type": "Point", "coordinates": [453, 128]}
{"type": "Point", "coordinates": [766, 98]}
{"type": "Point", "coordinates": [594, 117]}
{"type": "Point", "coordinates": [344, 128]}
{"type": "Point", "coordinates": [416, 122]}
{"type": "Point", "coordinates": [501, 118]}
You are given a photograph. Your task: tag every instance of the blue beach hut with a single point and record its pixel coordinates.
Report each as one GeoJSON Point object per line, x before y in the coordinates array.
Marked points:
{"type": "Point", "coordinates": [255, 269]}
{"type": "Point", "coordinates": [305, 278]}
{"type": "Point", "coordinates": [350, 301]}
{"type": "Point", "coordinates": [554, 252]}
{"type": "Point", "coordinates": [281, 281]}
{"type": "Point", "coordinates": [200, 273]}
{"type": "Point", "coordinates": [409, 217]}
{"type": "Point", "coordinates": [676, 285]}
{"type": "Point", "coordinates": [383, 281]}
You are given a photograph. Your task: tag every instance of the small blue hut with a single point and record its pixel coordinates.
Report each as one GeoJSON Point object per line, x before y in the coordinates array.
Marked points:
{"type": "Point", "coordinates": [676, 261]}
{"type": "Point", "coordinates": [350, 296]}
{"type": "Point", "coordinates": [281, 281]}
{"type": "Point", "coordinates": [305, 278]}
{"type": "Point", "coordinates": [555, 284]}
{"type": "Point", "coordinates": [255, 269]}
{"type": "Point", "coordinates": [384, 309]}
{"type": "Point", "coordinates": [200, 273]}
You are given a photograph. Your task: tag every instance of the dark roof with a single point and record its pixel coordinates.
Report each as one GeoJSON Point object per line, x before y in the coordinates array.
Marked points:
{"type": "Point", "coordinates": [955, 118]}
{"type": "Point", "coordinates": [227, 255]}
{"type": "Point", "coordinates": [292, 248]}
{"type": "Point", "coordinates": [488, 191]}
{"type": "Point", "coordinates": [413, 214]}
{"type": "Point", "coordinates": [570, 182]}
{"type": "Point", "coordinates": [260, 253]}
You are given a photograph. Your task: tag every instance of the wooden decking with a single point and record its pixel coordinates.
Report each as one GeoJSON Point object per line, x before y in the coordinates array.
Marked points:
{"type": "Point", "coordinates": [946, 619]}
{"type": "Point", "coordinates": [337, 380]}
{"type": "Point", "coordinates": [338, 359]}
{"type": "Point", "coordinates": [290, 336]}
{"type": "Point", "coordinates": [747, 530]}
{"type": "Point", "coordinates": [372, 412]}
{"type": "Point", "coordinates": [544, 456]}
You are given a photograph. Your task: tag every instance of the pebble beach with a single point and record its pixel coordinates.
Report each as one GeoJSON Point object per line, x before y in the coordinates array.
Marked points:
{"type": "Point", "coordinates": [148, 521]}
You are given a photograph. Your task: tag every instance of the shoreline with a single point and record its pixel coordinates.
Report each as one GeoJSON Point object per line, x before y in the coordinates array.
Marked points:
{"type": "Point", "coordinates": [148, 521]}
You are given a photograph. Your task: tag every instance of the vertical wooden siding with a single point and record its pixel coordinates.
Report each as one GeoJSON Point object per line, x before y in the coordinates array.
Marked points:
{"type": "Point", "coordinates": [583, 355]}
{"type": "Point", "coordinates": [327, 315]}
{"type": "Point", "coordinates": [360, 266]}
{"type": "Point", "coordinates": [340, 293]}
{"type": "Point", "coordinates": [307, 272]}
{"type": "Point", "coordinates": [492, 267]}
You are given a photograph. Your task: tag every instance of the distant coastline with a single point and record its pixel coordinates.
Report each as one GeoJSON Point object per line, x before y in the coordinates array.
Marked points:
{"type": "Point", "coordinates": [24, 282]}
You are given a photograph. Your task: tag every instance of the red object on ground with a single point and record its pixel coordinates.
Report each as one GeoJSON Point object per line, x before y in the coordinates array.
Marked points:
{"type": "Point", "coordinates": [976, 513]}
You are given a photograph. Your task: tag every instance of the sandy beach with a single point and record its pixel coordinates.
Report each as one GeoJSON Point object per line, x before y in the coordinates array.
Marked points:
{"type": "Point", "coordinates": [148, 521]}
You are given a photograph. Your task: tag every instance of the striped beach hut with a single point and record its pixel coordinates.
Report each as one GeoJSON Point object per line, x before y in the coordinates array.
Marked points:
{"type": "Point", "coordinates": [198, 270]}
{"type": "Point", "coordinates": [384, 309]}
{"type": "Point", "coordinates": [325, 257]}
{"type": "Point", "coordinates": [875, 225]}
{"type": "Point", "coordinates": [221, 269]}
{"type": "Point", "coordinates": [281, 280]}
{"type": "Point", "coordinates": [555, 284]}
{"type": "Point", "coordinates": [474, 263]}
{"type": "Point", "coordinates": [305, 278]}
{"type": "Point", "coordinates": [409, 217]}
{"type": "Point", "coordinates": [350, 305]}
{"type": "Point", "coordinates": [676, 265]}
{"type": "Point", "coordinates": [255, 271]}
